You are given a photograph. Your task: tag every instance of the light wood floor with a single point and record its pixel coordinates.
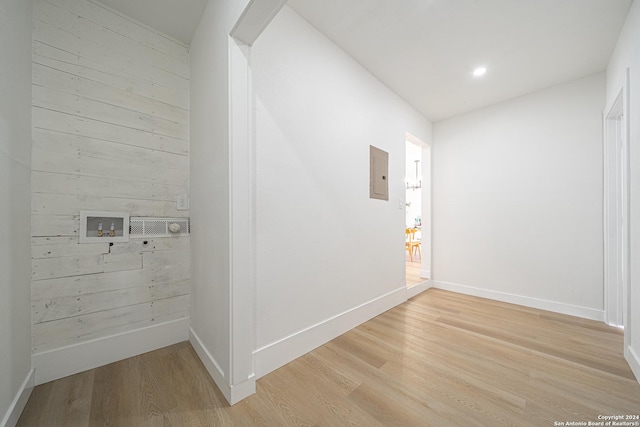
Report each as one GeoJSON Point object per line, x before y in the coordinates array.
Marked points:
{"type": "Point", "coordinates": [441, 359]}
{"type": "Point", "coordinates": [413, 271]}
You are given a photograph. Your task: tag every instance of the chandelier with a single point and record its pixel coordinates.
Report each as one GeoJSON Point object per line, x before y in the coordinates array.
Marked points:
{"type": "Point", "coordinates": [418, 182]}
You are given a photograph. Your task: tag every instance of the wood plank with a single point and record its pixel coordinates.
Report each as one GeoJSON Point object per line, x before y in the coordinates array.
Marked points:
{"type": "Point", "coordinates": [66, 307]}
{"type": "Point", "coordinates": [163, 274]}
{"type": "Point", "coordinates": [45, 160]}
{"type": "Point", "coordinates": [103, 16]}
{"type": "Point", "coordinates": [87, 284]}
{"type": "Point", "coordinates": [42, 290]}
{"type": "Point", "coordinates": [62, 60]}
{"type": "Point", "coordinates": [70, 249]}
{"type": "Point", "coordinates": [49, 34]}
{"type": "Point", "coordinates": [87, 108]}
{"type": "Point", "coordinates": [129, 155]}
{"type": "Point", "coordinates": [55, 225]}
{"type": "Point", "coordinates": [110, 407]}
{"type": "Point", "coordinates": [50, 268]}
{"type": "Point", "coordinates": [165, 260]}
{"type": "Point", "coordinates": [330, 398]}
{"type": "Point", "coordinates": [94, 283]}
{"type": "Point", "coordinates": [56, 333]}
{"type": "Point", "coordinates": [122, 262]}
{"type": "Point", "coordinates": [406, 367]}
{"type": "Point", "coordinates": [97, 129]}
{"type": "Point", "coordinates": [67, 401]}
{"type": "Point", "coordinates": [58, 240]}
{"type": "Point", "coordinates": [78, 305]}
{"type": "Point", "coordinates": [431, 383]}
{"type": "Point", "coordinates": [51, 77]}
{"type": "Point", "coordinates": [183, 370]}
{"type": "Point", "coordinates": [180, 244]}
{"type": "Point", "coordinates": [109, 40]}
{"type": "Point", "coordinates": [60, 183]}
{"type": "Point", "coordinates": [65, 204]}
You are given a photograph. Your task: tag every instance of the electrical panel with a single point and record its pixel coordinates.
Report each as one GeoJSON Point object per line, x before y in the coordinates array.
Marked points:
{"type": "Point", "coordinates": [378, 173]}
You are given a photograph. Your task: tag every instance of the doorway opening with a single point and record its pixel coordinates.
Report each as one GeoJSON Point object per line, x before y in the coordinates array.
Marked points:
{"type": "Point", "coordinates": [616, 212]}
{"type": "Point", "coordinates": [417, 211]}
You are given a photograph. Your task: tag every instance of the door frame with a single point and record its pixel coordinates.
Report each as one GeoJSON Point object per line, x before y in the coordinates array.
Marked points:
{"type": "Point", "coordinates": [616, 212]}
{"type": "Point", "coordinates": [426, 203]}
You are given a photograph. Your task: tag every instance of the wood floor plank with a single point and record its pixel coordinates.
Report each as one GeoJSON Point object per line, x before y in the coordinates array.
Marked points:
{"type": "Point", "coordinates": [65, 402]}
{"type": "Point", "coordinates": [440, 359]}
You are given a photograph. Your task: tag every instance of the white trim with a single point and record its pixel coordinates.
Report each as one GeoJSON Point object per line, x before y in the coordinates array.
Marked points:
{"type": "Point", "coordinates": [616, 208]}
{"type": "Point", "coordinates": [554, 306]}
{"type": "Point", "coordinates": [627, 295]}
{"type": "Point", "coordinates": [19, 402]}
{"type": "Point", "coordinates": [255, 18]}
{"type": "Point", "coordinates": [276, 354]}
{"type": "Point", "coordinates": [412, 291]}
{"type": "Point", "coordinates": [242, 255]}
{"type": "Point", "coordinates": [243, 390]}
{"type": "Point", "coordinates": [633, 360]}
{"type": "Point", "coordinates": [61, 362]}
{"type": "Point", "coordinates": [240, 379]}
{"type": "Point", "coordinates": [427, 202]}
{"type": "Point", "coordinates": [209, 362]}
{"type": "Point", "coordinates": [234, 393]}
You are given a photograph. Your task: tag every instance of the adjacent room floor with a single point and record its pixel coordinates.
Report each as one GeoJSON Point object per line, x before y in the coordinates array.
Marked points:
{"type": "Point", "coordinates": [439, 359]}
{"type": "Point", "coordinates": [413, 271]}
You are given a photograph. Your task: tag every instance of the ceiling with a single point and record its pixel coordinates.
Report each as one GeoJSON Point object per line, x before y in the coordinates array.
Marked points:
{"type": "Point", "coordinates": [175, 18]}
{"type": "Point", "coordinates": [425, 50]}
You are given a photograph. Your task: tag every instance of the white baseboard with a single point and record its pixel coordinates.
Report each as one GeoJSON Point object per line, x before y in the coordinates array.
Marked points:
{"type": "Point", "coordinates": [633, 360]}
{"type": "Point", "coordinates": [22, 396]}
{"type": "Point", "coordinates": [243, 390]}
{"type": "Point", "coordinates": [417, 289]}
{"type": "Point", "coordinates": [556, 307]}
{"type": "Point", "coordinates": [61, 362]}
{"type": "Point", "coordinates": [208, 361]}
{"type": "Point", "coordinates": [272, 356]}
{"type": "Point", "coordinates": [233, 393]}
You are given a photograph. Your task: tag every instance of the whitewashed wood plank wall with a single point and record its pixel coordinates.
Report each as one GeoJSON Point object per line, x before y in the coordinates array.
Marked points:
{"type": "Point", "coordinates": [110, 132]}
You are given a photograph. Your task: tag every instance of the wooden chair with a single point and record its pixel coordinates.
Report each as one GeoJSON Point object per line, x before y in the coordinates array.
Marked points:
{"type": "Point", "coordinates": [411, 244]}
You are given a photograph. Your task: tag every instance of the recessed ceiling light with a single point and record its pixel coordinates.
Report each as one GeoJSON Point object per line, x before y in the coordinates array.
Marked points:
{"type": "Point", "coordinates": [479, 71]}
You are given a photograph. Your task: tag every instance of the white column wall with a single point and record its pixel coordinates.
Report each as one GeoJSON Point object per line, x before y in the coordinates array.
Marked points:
{"type": "Point", "coordinates": [15, 206]}
{"type": "Point", "coordinates": [217, 190]}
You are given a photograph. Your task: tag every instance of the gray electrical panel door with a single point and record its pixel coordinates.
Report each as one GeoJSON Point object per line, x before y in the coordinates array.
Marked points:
{"type": "Point", "coordinates": [378, 173]}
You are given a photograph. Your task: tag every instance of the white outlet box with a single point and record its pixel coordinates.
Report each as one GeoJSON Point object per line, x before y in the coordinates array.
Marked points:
{"type": "Point", "coordinates": [182, 202]}
{"type": "Point", "coordinates": [103, 226]}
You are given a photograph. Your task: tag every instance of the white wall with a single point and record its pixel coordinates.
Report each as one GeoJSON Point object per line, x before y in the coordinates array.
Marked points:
{"type": "Point", "coordinates": [210, 184]}
{"type": "Point", "coordinates": [517, 200]}
{"type": "Point", "coordinates": [110, 133]}
{"type": "Point", "coordinates": [328, 257]}
{"type": "Point", "coordinates": [15, 155]}
{"type": "Point", "coordinates": [212, 202]}
{"type": "Point", "coordinates": [627, 55]}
